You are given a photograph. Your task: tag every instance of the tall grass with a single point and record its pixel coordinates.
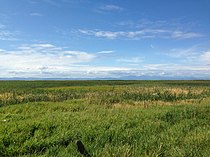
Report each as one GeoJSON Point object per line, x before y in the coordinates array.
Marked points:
{"type": "Point", "coordinates": [129, 119]}
{"type": "Point", "coordinates": [109, 93]}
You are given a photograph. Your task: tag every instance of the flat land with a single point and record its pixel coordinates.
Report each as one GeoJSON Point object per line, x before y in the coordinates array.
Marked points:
{"type": "Point", "coordinates": [111, 118]}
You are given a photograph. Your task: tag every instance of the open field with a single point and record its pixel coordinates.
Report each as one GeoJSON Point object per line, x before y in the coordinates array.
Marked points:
{"type": "Point", "coordinates": [111, 118]}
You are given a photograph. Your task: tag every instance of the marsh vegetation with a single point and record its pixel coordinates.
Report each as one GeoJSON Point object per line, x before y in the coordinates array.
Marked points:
{"type": "Point", "coordinates": [111, 118]}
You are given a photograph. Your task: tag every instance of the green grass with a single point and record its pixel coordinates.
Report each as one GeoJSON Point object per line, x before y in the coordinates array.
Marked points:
{"type": "Point", "coordinates": [111, 118]}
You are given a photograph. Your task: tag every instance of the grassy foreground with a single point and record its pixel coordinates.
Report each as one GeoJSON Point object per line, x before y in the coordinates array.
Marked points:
{"type": "Point", "coordinates": [111, 118]}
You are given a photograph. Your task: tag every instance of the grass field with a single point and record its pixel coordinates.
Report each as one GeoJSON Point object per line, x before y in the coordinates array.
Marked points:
{"type": "Point", "coordinates": [111, 118]}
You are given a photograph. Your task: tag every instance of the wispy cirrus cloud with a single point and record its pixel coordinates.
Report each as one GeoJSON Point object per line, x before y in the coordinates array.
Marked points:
{"type": "Point", "coordinates": [184, 53]}
{"type": "Point", "coordinates": [140, 34]}
{"type": "Point", "coordinates": [110, 7]}
{"type": "Point", "coordinates": [198, 54]}
{"type": "Point", "coordinates": [106, 52]}
{"type": "Point", "coordinates": [195, 58]}
{"type": "Point", "coordinates": [143, 23]}
{"type": "Point", "coordinates": [6, 34]}
{"type": "Point", "coordinates": [185, 35]}
{"type": "Point", "coordinates": [146, 29]}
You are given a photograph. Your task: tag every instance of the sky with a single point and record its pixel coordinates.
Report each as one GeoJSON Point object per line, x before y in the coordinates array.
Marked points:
{"type": "Point", "coordinates": [105, 39]}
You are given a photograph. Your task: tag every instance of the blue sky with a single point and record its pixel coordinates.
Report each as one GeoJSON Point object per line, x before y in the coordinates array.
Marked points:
{"type": "Point", "coordinates": [105, 39]}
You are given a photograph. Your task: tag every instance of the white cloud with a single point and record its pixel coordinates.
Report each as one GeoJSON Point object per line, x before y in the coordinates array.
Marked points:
{"type": "Point", "coordinates": [140, 34]}
{"type": "Point", "coordinates": [111, 8]}
{"type": "Point", "coordinates": [110, 34]}
{"type": "Point", "coordinates": [106, 52]}
{"type": "Point", "coordinates": [205, 56]}
{"type": "Point", "coordinates": [187, 53]}
{"type": "Point", "coordinates": [50, 61]}
{"type": "Point", "coordinates": [6, 34]}
{"type": "Point", "coordinates": [43, 46]}
{"type": "Point", "coordinates": [185, 35]}
{"type": "Point", "coordinates": [173, 23]}
{"type": "Point", "coordinates": [144, 28]}
{"type": "Point", "coordinates": [190, 55]}
{"type": "Point", "coordinates": [177, 67]}
{"type": "Point", "coordinates": [156, 66]}
{"type": "Point", "coordinates": [32, 58]}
